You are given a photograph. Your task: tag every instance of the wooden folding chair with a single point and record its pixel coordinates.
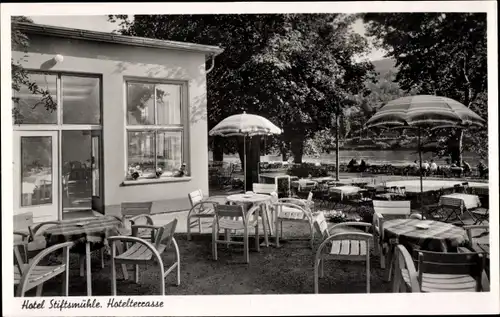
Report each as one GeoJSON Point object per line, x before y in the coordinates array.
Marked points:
{"type": "Point", "coordinates": [27, 231]}
{"type": "Point", "coordinates": [233, 217]}
{"type": "Point", "coordinates": [200, 208]}
{"type": "Point", "coordinates": [143, 252]}
{"type": "Point", "coordinates": [28, 275]}
{"type": "Point", "coordinates": [440, 272]}
{"type": "Point", "coordinates": [293, 210]}
{"type": "Point", "coordinates": [350, 245]}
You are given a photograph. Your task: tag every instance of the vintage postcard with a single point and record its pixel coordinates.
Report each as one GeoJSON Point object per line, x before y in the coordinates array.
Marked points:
{"type": "Point", "coordinates": [204, 159]}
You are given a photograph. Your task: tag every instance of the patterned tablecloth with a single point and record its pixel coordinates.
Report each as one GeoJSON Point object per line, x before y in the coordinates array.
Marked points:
{"type": "Point", "coordinates": [94, 230]}
{"type": "Point", "coordinates": [439, 237]}
{"type": "Point", "coordinates": [467, 201]}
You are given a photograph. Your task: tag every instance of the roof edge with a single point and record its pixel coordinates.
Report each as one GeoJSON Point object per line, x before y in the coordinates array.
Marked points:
{"type": "Point", "coordinates": [114, 38]}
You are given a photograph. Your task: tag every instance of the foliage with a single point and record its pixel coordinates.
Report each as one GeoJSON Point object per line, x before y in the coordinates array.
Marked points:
{"type": "Point", "coordinates": [295, 69]}
{"type": "Point", "coordinates": [439, 54]}
{"type": "Point", "coordinates": [20, 76]}
{"type": "Point", "coordinates": [304, 170]}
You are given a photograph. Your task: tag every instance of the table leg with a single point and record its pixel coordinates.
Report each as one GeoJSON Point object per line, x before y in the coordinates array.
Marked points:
{"type": "Point", "coordinates": [89, 274]}
{"type": "Point", "coordinates": [265, 221]}
{"type": "Point", "coordinates": [389, 263]}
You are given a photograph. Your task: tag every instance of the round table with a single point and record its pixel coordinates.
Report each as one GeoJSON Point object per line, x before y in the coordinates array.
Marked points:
{"type": "Point", "coordinates": [87, 231]}
{"type": "Point", "coordinates": [255, 199]}
{"type": "Point", "coordinates": [439, 237]}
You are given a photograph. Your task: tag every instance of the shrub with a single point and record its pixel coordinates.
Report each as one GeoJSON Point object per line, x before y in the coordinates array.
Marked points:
{"type": "Point", "coordinates": [305, 169]}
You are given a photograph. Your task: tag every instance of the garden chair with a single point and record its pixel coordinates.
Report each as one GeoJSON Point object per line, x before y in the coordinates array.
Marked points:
{"type": "Point", "coordinates": [233, 217]}
{"type": "Point", "coordinates": [25, 230]}
{"type": "Point", "coordinates": [351, 244]}
{"type": "Point", "coordinates": [293, 210]}
{"type": "Point", "coordinates": [388, 210]}
{"type": "Point", "coordinates": [479, 215]}
{"type": "Point", "coordinates": [143, 252]}
{"type": "Point", "coordinates": [28, 275]}
{"type": "Point", "coordinates": [200, 208]}
{"type": "Point", "coordinates": [474, 245]}
{"type": "Point", "coordinates": [439, 272]}
{"type": "Point", "coordinates": [133, 211]}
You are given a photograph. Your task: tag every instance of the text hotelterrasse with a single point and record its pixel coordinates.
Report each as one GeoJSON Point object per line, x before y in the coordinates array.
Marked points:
{"type": "Point", "coordinates": [61, 304]}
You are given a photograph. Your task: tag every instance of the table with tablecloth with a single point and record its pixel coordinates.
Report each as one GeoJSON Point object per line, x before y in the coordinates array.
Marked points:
{"type": "Point", "coordinates": [439, 237]}
{"type": "Point", "coordinates": [345, 191]}
{"type": "Point", "coordinates": [252, 199]}
{"type": "Point", "coordinates": [87, 233]}
{"type": "Point", "coordinates": [467, 201]}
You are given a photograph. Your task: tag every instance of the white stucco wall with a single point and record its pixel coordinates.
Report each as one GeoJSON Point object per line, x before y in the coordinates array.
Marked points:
{"type": "Point", "coordinates": [114, 62]}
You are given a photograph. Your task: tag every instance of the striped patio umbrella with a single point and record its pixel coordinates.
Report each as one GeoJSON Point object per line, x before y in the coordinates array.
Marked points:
{"type": "Point", "coordinates": [246, 125]}
{"type": "Point", "coordinates": [424, 112]}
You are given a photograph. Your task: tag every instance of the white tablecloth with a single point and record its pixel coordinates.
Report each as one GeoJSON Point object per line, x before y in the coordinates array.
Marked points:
{"type": "Point", "coordinates": [468, 201]}
{"type": "Point", "coordinates": [345, 190]}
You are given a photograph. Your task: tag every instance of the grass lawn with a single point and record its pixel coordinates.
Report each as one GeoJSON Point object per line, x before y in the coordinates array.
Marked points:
{"type": "Point", "coordinates": [287, 270]}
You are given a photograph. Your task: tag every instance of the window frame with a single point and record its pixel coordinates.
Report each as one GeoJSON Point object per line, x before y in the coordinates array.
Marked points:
{"type": "Point", "coordinates": [183, 127]}
{"type": "Point", "coordinates": [59, 124]}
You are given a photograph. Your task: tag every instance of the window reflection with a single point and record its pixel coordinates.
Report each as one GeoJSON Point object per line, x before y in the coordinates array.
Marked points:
{"type": "Point", "coordinates": [33, 108]}
{"type": "Point", "coordinates": [140, 104]}
{"type": "Point", "coordinates": [36, 170]}
{"type": "Point", "coordinates": [81, 100]}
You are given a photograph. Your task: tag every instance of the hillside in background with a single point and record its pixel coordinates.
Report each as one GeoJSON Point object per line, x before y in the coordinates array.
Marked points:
{"type": "Point", "coordinates": [384, 66]}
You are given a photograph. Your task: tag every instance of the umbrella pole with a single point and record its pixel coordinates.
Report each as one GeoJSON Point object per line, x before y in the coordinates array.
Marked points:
{"type": "Point", "coordinates": [420, 159]}
{"type": "Point", "coordinates": [245, 160]}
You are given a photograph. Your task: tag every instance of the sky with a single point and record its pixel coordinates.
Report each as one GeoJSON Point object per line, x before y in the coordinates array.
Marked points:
{"type": "Point", "coordinates": [101, 23]}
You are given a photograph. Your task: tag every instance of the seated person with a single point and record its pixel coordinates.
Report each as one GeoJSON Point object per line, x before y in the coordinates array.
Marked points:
{"type": "Point", "coordinates": [433, 168]}
{"type": "Point", "coordinates": [425, 168]}
{"type": "Point", "coordinates": [483, 170]}
{"type": "Point", "coordinates": [362, 166]}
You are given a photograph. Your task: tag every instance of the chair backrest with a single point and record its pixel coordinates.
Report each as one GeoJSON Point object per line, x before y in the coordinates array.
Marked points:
{"type": "Point", "coordinates": [310, 197]}
{"type": "Point", "coordinates": [450, 263]}
{"type": "Point", "coordinates": [23, 221]}
{"type": "Point", "coordinates": [259, 188]}
{"type": "Point", "coordinates": [449, 202]}
{"type": "Point", "coordinates": [392, 207]}
{"type": "Point", "coordinates": [321, 225]}
{"type": "Point", "coordinates": [229, 211]}
{"type": "Point", "coordinates": [165, 234]}
{"type": "Point", "coordinates": [195, 197]}
{"type": "Point", "coordinates": [135, 209]}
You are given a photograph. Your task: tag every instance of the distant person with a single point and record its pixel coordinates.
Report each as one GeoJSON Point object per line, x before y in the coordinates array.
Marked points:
{"type": "Point", "coordinates": [362, 166]}
{"type": "Point", "coordinates": [353, 164]}
{"type": "Point", "coordinates": [483, 170]}
{"type": "Point", "coordinates": [415, 167]}
{"type": "Point", "coordinates": [433, 167]}
{"type": "Point", "coordinates": [467, 168]}
{"type": "Point", "coordinates": [425, 168]}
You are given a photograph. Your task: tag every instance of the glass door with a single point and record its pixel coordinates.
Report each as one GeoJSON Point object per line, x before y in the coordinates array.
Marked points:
{"type": "Point", "coordinates": [97, 179]}
{"type": "Point", "coordinates": [35, 174]}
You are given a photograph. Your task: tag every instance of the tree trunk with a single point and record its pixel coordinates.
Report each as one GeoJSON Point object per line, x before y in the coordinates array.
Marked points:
{"type": "Point", "coordinates": [284, 151]}
{"type": "Point", "coordinates": [218, 150]}
{"type": "Point", "coordinates": [253, 159]}
{"type": "Point", "coordinates": [297, 147]}
{"type": "Point", "coordinates": [459, 149]}
{"type": "Point", "coordinates": [337, 150]}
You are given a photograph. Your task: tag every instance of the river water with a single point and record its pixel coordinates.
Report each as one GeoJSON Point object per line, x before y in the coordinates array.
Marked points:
{"type": "Point", "coordinates": [401, 157]}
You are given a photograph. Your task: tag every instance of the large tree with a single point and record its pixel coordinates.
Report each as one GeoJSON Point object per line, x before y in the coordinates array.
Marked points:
{"type": "Point", "coordinates": [21, 78]}
{"type": "Point", "coordinates": [439, 54]}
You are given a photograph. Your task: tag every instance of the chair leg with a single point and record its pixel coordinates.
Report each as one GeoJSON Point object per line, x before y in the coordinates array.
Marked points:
{"type": "Point", "coordinates": [312, 236]}
{"type": "Point", "coordinates": [214, 243]}
{"type": "Point", "coordinates": [66, 272]}
{"type": "Point", "coordinates": [189, 228]}
{"type": "Point", "coordinates": [316, 276]}
{"type": "Point", "coordinates": [257, 240]}
{"type": "Point", "coordinates": [136, 274]}
{"type": "Point", "coordinates": [39, 290]}
{"type": "Point", "coordinates": [321, 267]}
{"type": "Point", "coordinates": [277, 233]}
{"type": "Point", "coordinates": [113, 269]}
{"type": "Point", "coordinates": [199, 225]}
{"type": "Point", "coordinates": [227, 237]}
{"type": "Point", "coordinates": [368, 274]}
{"type": "Point", "coordinates": [246, 247]}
